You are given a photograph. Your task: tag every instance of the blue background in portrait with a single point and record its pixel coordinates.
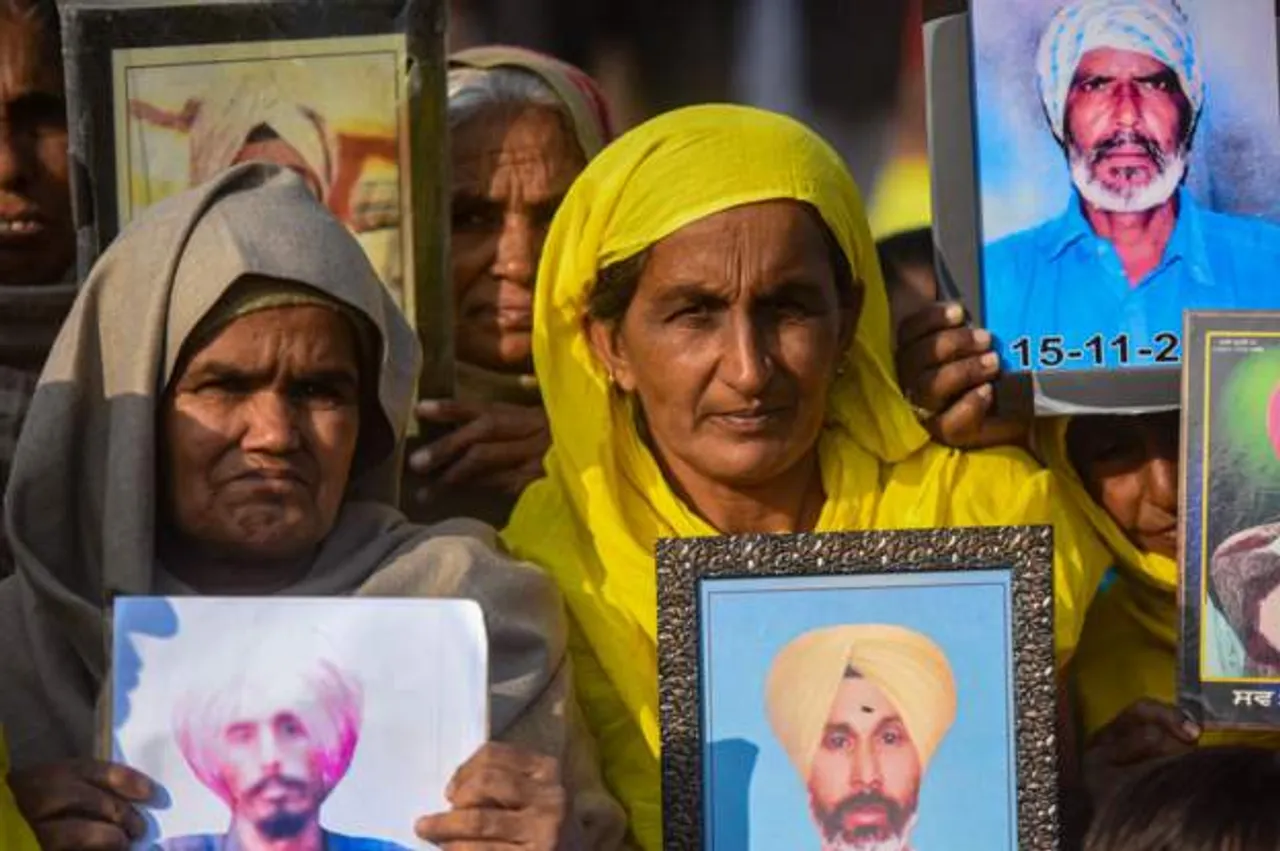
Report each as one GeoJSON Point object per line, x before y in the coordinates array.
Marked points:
{"type": "Point", "coordinates": [1023, 176]}
{"type": "Point", "coordinates": [754, 797]}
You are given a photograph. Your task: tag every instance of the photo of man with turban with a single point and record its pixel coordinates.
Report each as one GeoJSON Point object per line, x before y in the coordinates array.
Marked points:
{"type": "Point", "coordinates": [335, 120]}
{"type": "Point", "coordinates": [271, 738]}
{"type": "Point", "coordinates": [1124, 91]}
{"type": "Point", "coordinates": [860, 711]}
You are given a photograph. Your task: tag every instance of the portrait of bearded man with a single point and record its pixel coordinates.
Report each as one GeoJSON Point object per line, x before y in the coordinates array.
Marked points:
{"type": "Point", "coordinates": [860, 711]}
{"type": "Point", "coordinates": [272, 740]}
{"type": "Point", "coordinates": [1124, 93]}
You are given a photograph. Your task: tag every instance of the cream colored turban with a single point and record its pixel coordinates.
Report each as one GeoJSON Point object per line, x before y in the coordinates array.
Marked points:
{"type": "Point", "coordinates": [909, 668]}
{"type": "Point", "coordinates": [230, 113]}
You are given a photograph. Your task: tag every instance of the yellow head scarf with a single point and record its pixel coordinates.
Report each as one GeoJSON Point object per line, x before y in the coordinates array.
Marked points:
{"type": "Point", "coordinates": [594, 520]}
{"type": "Point", "coordinates": [908, 667]}
{"type": "Point", "coordinates": [15, 833]}
{"type": "Point", "coordinates": [1129, 648]}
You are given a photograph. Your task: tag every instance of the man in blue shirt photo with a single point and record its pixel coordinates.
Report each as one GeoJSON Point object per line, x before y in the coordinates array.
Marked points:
{"type": "Point", "coordinates": [1106, 282]}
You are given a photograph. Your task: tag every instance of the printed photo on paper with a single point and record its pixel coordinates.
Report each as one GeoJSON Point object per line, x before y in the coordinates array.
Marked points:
{"type": "Point", "coordinates": [270, 721]}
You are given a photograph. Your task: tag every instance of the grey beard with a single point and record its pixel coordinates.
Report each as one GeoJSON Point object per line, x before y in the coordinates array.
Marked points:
{"type": "Point", "coordinates": [1136, 200]}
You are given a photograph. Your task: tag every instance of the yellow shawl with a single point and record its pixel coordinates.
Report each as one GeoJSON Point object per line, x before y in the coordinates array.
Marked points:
{"type": "Point", "coordinates": [594, 520]}
{"type": "Point", "coordinates": [15, 834]}
{"type": "Point", "coordinates": [1129, 649]}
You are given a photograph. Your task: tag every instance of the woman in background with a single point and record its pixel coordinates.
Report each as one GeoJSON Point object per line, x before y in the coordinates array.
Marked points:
{"type": "Point", "coordinates": [522, 126]}
{"type": "Point", "coordinates": [1122, 473]}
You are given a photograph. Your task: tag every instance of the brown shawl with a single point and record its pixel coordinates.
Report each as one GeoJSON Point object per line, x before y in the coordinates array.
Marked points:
{"type": "Point", "coordinates": [81, 507]}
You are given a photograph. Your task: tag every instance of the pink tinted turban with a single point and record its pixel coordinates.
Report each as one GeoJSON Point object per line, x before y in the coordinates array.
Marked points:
{"type": "Point", "coordinates": [327, 699]}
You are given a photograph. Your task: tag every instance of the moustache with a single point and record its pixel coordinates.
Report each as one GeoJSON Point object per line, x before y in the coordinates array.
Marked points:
{"type": "Point", "coordinates": [1124, 138]}
{"type": "Point", "coordinates": [833, 821]}
{"type": "Point", "coordinates": [290, 783]}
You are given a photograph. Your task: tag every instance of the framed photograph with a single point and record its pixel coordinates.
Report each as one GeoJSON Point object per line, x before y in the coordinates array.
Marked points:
{"type": "Point", "coordinates": [1230, 651]}
{"type": "Point", "coordinates": [266, 719]}
{"type": "Point", "coordinates": [843, 691]}
{"type": "Point", "coordinates": [1127, 171]}
{"type": "Point", "coordinates": [350, 94]}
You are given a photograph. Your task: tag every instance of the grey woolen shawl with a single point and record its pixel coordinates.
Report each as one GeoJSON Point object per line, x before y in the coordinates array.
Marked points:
{"type": "Point", "coordinates": [81, 503]}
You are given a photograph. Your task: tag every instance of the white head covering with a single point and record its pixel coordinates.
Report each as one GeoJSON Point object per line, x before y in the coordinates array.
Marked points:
{"type": "Point", "coordinates": [257, 678]}
{"type": "Point", "coordinates": [1156, 28]}
{"type": "Point", "coordinates": [228, 116]}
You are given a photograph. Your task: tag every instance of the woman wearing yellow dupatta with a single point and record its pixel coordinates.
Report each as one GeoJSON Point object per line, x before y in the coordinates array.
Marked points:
{"type": "Point", "coordinates": [711, 275]}
{"type": "Point", "coordinates": [1128, 649]}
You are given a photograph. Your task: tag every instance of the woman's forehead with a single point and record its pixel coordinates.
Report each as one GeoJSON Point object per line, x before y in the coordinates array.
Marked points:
{"type": "Point", "coordinates": [309, 332]}
{"type": "Point", "coordinates": [767, 233]}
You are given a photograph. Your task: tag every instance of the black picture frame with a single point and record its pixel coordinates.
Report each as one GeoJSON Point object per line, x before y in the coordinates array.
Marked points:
{"type": "Point", "coordinates": [1024, 554]}
{"type": "Point", "coordinates": [93, 30]}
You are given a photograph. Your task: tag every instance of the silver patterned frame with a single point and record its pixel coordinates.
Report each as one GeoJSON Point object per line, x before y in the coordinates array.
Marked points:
{"type": "Point", "coordinates": [1025, 551]}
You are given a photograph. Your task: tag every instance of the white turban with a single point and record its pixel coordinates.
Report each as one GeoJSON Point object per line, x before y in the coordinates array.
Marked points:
{"type": "Point", "coordinates": [229, 114]}
{"type": "Point", "coordinates": [256, 682]}
{"type": "Point", "coordinates": [911, 671]}
{"type": "Point", "coordinates": [1155, 28]}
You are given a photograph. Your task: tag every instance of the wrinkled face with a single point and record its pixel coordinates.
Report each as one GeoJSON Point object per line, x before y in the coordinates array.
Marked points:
{"type": "Point", "coordinates": [260, 430]}
{"type": "Point", "coordinates": [511, 168]}
{"type": "Point", "coordinates": [37, 237]}
{"type": "Point", "coordinates": [731, 343]}
{"type": "Point", "coordinates": [271, 771]}
{"type": "Point", "coordinates": [1127, 121]}
{"type": "Point", "coordinates": [281, 153]}
{"type": "Point", "coordinates": [864, 783]}
{"type": "Point", "coordinates": [1129, 465]}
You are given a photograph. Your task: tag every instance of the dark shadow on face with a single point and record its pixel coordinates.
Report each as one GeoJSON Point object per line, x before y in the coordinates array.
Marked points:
{"type": "Point", "coordinates": [259, 432]}
{"type": "Point", "coordinates": [37, 236]}
{"type": "Point", "coordinates": [906, 260]}
{"type": "Point", "coordinates": [1129, 465]}
{"type": "Point", "coordinates": [512, 166]}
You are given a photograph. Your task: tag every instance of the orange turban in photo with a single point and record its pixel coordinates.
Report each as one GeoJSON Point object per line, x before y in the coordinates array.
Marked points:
{"type": "Point", "coordinates": [908, 667]}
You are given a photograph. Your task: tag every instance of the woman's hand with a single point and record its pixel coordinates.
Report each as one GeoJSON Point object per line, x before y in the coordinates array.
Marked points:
{"type": "Point", "coordinates": [82, 805]}
{"type": "Point", "coordinates": [1145, 731]}
{"type": "Point", "coordinates": [494, 445]}
{"type": "Point", "coordinates": [504, 797]}
{"type": "Point", "coordinates": [946, 369]}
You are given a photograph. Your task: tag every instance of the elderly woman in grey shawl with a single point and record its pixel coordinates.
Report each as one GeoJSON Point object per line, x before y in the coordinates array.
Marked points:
{"type": "Point", "coordinates": [221, 414]}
